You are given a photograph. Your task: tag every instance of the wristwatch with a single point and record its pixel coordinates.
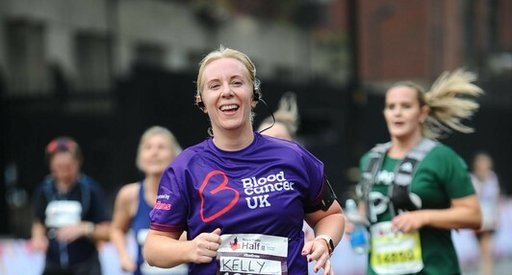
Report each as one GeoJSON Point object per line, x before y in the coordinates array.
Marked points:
{"type": "Point", "coordinates": [328, 240]}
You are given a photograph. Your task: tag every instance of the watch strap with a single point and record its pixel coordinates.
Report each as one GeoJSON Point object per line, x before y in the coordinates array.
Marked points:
{"type": "Point", "coordinates": [328, 240]}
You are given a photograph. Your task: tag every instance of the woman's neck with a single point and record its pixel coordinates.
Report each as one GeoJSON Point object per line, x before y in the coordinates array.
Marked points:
{"type": "Point", "coordinates": [64, 186]}
{"type": "Point", "coordinates": [151, 183]}
{"type": "Point", "coordinates": [482, 175]}
{"type": "Point", "coordinates": [233, 140]}
{"type": "Point", "coordinates": [401, 146]}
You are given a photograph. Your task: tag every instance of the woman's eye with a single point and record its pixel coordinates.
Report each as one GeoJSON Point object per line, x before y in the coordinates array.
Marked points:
{"type": "Point", "coordinates": [237, 83]}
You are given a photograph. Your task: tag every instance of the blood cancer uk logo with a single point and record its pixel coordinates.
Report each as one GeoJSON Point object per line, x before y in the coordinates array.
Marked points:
{"type": "Point", "coordinates": [218, 197]}
{"type": "Point", "coordinates": [258, 190]}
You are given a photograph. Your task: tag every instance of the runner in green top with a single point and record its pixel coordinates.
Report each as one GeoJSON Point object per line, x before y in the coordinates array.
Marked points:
{"type": "Point", "coordinates": [410, 230]}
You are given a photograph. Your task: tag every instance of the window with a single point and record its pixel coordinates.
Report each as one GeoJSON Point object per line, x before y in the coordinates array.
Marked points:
{"type": "Point", "coordinates": [149, 55]}
{"type": "Point", "coordinates": [27, 72]}
{"type": "Point", "coordinates": [93, 63]}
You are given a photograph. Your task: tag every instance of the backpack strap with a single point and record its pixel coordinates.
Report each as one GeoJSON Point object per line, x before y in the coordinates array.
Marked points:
{"type": "Point", "coordinates": [85, 191]}
{"type": "Point", "coordinates": [400, 191]}
{"type": "Point", "coordinates": [375, 159]}
{"type": "Point", "coordinates": [47, 189]}
{"type": "Point", "coordinates": [404, 172]}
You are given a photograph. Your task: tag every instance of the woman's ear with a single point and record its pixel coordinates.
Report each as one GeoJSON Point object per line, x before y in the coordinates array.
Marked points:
{"type": "Point", "coordinates": [200, 104]}
{"type": "Point", "coordinates": [425, 111]}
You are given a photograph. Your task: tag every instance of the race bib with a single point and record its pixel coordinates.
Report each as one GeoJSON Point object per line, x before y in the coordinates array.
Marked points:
{"type": "Point", "coordinates": [252, 254]}
{"type": "Point", "coordinates": [63, 213]}
{"type": "Point", "coordinates": [394, 252]}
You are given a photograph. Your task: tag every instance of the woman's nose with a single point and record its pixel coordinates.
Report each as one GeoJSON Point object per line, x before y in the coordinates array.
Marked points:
{"type": "Point", "coordinates": [227, 91]}
{"type": "Point", "coordinates": [397, 111]}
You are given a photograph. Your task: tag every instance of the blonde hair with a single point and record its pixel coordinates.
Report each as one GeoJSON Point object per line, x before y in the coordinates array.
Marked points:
{"type": "Point", "coordinates": [287, 114]}
{"type": "Point", "coordinates": [450, 102]}
{"type": "Point", "coordinates": [155, 131]}
{"type": "Point", "coordinates": [224, 52]}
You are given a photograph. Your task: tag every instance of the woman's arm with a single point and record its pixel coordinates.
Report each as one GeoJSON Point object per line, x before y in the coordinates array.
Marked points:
{"type": "Point", "coordinates": [101, 231]}
{"type": "Point", "coordinates": [39, 239]}
{"type": "Point", "coordinates": [463, 213]}
{"type": "Point", "coordinates": [165, 249]}
{"type": "Point", "coordinates": [330, 223]}
{"type": "Point", "coordinates": [124, 210]}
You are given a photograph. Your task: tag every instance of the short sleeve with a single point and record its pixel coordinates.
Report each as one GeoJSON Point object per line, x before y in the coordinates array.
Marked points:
{"type": "Point", "coordinates": [170, 210]}
{"type": "Point", "coordinates": [317, 181]}
{"type": "Point", "coordinates": [454, 173]}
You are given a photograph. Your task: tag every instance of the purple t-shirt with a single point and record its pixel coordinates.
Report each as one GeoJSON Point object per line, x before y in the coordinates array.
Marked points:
{"type": "Point", "coordinates": [262, 189]}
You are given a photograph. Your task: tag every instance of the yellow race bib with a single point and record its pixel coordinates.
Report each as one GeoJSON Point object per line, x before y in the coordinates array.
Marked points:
{"type": "Point", "coordinates": [394, 252]}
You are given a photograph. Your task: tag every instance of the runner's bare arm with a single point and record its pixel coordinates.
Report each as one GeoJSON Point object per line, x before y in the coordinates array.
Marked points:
{"type": "Point", "coordinates": [463, 213]}
{"type": "Point", "coordinates": [330, 223]}
{"type": "Point", "coordinates": [165, 249]}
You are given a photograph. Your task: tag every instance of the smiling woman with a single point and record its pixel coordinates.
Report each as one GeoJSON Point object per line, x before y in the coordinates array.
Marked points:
{"type": "Point", "coordinates": [227, 98]}
{"type": "Point", "coordinates": [227, 91]}
{"type": "Point", "coordinates": [239, 189]}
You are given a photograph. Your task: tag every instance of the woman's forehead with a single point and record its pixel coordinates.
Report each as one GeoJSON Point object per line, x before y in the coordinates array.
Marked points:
{"type": "Point", "coordinates": [401, 93]}
{"type": "Point", "coordinates": [225, 66]}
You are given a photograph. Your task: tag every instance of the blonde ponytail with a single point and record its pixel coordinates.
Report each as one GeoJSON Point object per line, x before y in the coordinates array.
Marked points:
{"type": "Point", "coordinates": [450, 101]}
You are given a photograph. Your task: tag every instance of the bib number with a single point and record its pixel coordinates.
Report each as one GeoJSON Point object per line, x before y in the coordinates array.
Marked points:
{"type": "Point", "coordinates": [62, 213]}
{"type": "Point", "coordinates": [394, 252]}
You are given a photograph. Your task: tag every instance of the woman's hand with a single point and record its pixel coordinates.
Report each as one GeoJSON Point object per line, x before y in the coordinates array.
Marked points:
{"type": "Point", "coordinates": [39, 243]}
{"type": "Point", "coordinates": [73, 232]}
{"type": "Point", "coordinates": [205, 246]}
{"type": "Point", "coordinates": [127, 264]}
{"type": "Point", "coordinates": [318, 250]}
{"type": "Point", "coordinates": [409, 222]}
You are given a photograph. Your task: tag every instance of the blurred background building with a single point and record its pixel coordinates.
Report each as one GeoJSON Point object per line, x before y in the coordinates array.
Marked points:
{"type": "Point", "coordinates": [102, 71]}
